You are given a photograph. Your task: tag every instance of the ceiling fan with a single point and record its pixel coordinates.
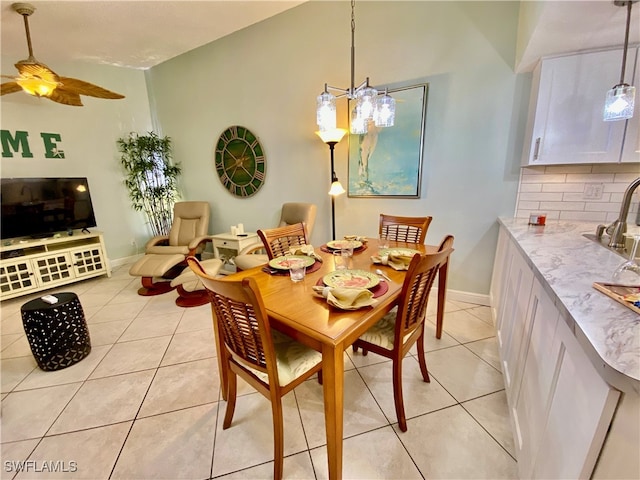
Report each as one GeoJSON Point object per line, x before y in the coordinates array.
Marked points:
{"type": "Point", "coordinates": [39, 80]}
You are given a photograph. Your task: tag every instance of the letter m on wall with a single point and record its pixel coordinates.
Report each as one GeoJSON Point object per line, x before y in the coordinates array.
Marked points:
{"type": "Point", "coordinates": [15, 144]}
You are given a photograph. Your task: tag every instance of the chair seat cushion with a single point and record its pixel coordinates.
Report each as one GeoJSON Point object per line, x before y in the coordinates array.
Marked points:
{"type": "Point", "coordinates": [383, 332]}
{"type": "Point", "coordinates": [190, 281]}
{"type": "Point", "coordinates": [250, 260]}
{"type": "Point", "coordinates": [292, 359]}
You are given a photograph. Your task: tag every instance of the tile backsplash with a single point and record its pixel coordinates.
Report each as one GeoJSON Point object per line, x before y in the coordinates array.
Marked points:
{"type": "Point", "coordinates": [590, 192]}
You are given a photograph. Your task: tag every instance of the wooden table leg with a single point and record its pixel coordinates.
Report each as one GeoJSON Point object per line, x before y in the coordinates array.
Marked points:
{"type": "Point", "coordinates": [442, 293]}
{"type": "Point", "coordinates": [333, 387]}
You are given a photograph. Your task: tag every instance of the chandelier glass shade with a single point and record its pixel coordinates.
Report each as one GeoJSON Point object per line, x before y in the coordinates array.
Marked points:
{"type": "Point", "coordinates": [620, 100]}
{"type": "Point", "coordinates": [370, 106]}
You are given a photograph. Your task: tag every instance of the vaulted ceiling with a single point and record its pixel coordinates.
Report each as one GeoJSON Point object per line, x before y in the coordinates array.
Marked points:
{"type": "Point", "coordinates": [144, 33]}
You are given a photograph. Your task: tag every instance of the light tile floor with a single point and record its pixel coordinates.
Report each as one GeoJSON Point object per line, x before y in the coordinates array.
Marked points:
{"type": "Point", "coordinates": [145, 404]}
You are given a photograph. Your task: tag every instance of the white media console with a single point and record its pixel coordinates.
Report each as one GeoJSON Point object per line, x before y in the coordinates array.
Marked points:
{"type": "Point", "coordinates": [30, 265]}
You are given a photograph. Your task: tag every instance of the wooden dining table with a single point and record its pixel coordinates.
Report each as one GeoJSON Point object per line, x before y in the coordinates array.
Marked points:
{"type": "Point", "coordinates": [294, 309]}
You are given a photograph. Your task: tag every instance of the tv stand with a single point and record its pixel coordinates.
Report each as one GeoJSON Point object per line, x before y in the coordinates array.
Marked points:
{"type": "Point", "coordinates": [30, 265]}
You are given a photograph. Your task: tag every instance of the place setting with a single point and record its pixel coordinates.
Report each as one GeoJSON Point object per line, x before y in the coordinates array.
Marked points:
{"type": "Point", "coordinates": [351, 243]}
{"type": "Point", "coordinates": [302, 257]}
{"type": "Point", "coordinates": [350, 289]}
{"type": "Point", "coordinates": [396, 257]}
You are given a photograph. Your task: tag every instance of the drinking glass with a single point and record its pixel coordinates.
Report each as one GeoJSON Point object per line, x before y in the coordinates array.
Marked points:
{"type": "Point", "coordinates": [349, 248]}
{"type": "Point", "coordinates": [383, 242]}
{"type": "Point", "coordinates": [341, 259]}
{"type": "Point", "coordinates": [628, 273]}
{"type": "Point", "coordinates": [297, 270]}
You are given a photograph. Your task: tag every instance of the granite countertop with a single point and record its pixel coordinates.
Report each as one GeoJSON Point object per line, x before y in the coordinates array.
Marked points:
{"type": "Point", "coordinates": [567, 265]}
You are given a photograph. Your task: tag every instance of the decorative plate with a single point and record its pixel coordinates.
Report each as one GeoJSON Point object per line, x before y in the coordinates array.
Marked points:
{"type": "Point", "coordinates": [402, 252]}
{"type": "Point", "coordinates": [351, 279]}
{"type": "Point", "coordinates": [340, 244]}
{"type": "Point", "coordinates": [284, 263]}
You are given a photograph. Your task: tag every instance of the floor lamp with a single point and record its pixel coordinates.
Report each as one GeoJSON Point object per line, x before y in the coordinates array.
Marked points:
{"type": "Point", "coordinates": [331, 138]}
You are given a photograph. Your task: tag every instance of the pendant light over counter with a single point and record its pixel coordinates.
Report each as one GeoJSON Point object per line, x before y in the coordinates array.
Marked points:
{"type": "Point", "coordinates": [620, 99]}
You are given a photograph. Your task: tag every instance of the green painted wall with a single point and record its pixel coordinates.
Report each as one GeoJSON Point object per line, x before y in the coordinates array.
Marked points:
{"type": "Point", "coordinates": [266, 78]}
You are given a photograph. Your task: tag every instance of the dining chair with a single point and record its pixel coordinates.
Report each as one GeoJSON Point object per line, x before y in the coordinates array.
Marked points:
{"type": "Point", "coordinates": [404, 229]}
{"type": "Point", "coordinates": [270, 361]}
{"type": "Point", "coordinates": [446, 243]}
{"type": "Point", "coordinates": [291, 212]}
{"type": "Point", "coordinates": [401, 328]}
{"type": "Point", "coordinates": [277, 241]}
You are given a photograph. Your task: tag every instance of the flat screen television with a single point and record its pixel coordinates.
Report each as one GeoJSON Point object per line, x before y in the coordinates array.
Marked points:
{"type": "Point", "coordinates": [42, 207]}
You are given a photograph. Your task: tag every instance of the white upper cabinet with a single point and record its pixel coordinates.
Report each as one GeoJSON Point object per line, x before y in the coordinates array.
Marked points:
{"type": "Point", "coordinates": [631, 147]}
{"type": "Point", "coordinates": [565, 123]}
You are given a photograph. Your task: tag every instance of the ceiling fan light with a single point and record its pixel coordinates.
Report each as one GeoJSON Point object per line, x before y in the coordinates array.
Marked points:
{"type": "Point", "coordinates": [385, 112]}
{"type": "Point", "coordinates": [619, 103]}
{"type": "Point", "coordinates": [326, 111]}
{"type": "Point", "coordinates": [36, 86]}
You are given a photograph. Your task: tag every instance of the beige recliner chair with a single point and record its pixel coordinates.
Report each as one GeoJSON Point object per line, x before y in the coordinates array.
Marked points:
{"type": "Point", "coordinates": [165, 255]}
{"type": "Point", "coordinates": [292, 213]}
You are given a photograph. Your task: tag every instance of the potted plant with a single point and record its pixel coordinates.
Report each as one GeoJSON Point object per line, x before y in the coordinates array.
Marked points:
{"type": "Point", "coordinates": [152, 178]}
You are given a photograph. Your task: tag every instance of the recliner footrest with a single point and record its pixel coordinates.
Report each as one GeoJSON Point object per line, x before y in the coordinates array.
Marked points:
{"type": "Point", "coordinates": [155, 265]}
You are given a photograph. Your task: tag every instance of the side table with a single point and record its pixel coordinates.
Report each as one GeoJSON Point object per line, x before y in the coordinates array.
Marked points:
{"type": "Point", "coordinates": [57, 333]}
{"type": "Point", "coordinates": [232, 244]}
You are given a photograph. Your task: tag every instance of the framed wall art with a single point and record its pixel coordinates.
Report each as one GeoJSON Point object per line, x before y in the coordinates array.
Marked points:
{"type": "Point", "coordinates": [387, 162]}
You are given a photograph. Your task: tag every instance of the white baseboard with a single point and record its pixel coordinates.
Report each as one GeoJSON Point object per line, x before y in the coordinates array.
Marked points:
{"type": "Point", "coordinates": [118, 262]}
{"type": "Point", "coordinates": [467, 297]}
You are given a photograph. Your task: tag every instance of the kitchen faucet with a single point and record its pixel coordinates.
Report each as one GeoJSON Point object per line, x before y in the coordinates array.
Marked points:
{"type": "Point", "coordinates": [618, 228]}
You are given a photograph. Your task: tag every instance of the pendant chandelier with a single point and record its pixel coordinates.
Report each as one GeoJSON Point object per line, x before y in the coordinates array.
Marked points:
{"type": "Point", "coordinates": [370, 105]}
{"type": "Point", "coordinates": [621, 98]}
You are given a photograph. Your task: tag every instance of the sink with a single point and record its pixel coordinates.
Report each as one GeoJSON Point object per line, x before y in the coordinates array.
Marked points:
{"type": "Point", "coordinates": [623, 252]}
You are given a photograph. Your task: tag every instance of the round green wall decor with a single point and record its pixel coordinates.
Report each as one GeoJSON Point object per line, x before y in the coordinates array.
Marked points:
{"type": "Point", "coordinates": [240, 161]}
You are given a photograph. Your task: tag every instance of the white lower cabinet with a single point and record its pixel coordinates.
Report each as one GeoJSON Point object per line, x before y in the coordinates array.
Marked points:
{"type": "Point", "coordinates": [580, 411]}
{"type": "Point", "coordinates": [560, 406]}
{"type": "Point", "coordinates": [530, 402]}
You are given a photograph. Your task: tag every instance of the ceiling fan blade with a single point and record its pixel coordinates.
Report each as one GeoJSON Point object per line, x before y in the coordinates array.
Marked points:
{"type": "Point", "coordinates": [73, 85]}
{"type": "Point", "coordinates": [60, 95]}
{"type": "Point", "coordinates": [9, 87]}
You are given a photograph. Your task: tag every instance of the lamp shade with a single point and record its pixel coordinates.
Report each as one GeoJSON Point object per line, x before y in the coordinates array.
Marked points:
{"type": "Point", "coordinates": [366, 102]}
{"type": "Point", "coordinates": [333, 135]}
{"type": "Point", "coordinates": [359, 122]}
{"type": "Point", "coordinates": [619, 103]}
{"type": "Point", "coordinates": [336, 189]}
{"type": "Point", "coordinates": [326, 111]}
{"type": "Point", "coordinates": [385, 114]}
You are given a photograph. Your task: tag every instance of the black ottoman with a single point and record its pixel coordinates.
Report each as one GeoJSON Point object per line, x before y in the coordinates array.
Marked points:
{"type": "Point", "coordinates": [57, 334]}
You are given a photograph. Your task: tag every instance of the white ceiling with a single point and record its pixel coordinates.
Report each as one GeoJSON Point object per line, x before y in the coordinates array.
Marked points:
{"type": "Point", "coordinates": [135, 34]}
{"type": "Point", "coordinates": [144, 33]}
